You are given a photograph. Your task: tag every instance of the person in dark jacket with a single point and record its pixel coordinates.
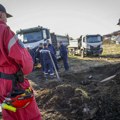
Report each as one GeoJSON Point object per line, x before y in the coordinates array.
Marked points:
{"type": "Point", "coordinates": [53, 53]}
{"type": "Point", "coordinates": [64, 55]}
{"type": "Point", "coordinates": [48, 67]}
{"type": "Point", "coordinates": [40, 47]}
{"type": "Point", "coordinates": [39, 55]}
{"type": "Point", "coordinates": [32, 53]}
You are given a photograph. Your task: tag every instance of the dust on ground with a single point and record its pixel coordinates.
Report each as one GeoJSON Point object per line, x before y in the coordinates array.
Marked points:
{"type": "Point", "coordinates": [80, 95]}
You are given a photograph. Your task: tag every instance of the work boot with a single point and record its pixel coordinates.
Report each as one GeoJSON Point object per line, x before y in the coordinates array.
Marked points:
{"type": "Point", "coordinates": [46, 80]}
{"type": "Point", "coordinates": [46, 76]}
{"type": "Point", "coordinates": [51, 76]}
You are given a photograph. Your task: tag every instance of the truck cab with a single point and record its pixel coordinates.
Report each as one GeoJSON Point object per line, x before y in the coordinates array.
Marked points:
{"type": "Point", "coordinates": [73, 47]}
{"type": "Point", "coordinates": [55, 39]}
{"type": "Point", "coordinates": [90, 45]}
{"type": "Point", "coordinates": [32, 37]}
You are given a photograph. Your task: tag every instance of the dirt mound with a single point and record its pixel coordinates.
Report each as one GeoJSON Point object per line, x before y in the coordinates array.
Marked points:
{"type": "Point", "coordinates": [63, 100]}
{"type": "Point", "coordinates": [81, 96]}
{"type": "Point", "coordinates": [108, 100]}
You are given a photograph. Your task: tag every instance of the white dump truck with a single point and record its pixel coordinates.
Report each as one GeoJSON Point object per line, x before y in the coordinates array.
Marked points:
{"type": "Point", "coordinates": [86, 45]}
{"type": "Point", "coordinates": [32, 37]}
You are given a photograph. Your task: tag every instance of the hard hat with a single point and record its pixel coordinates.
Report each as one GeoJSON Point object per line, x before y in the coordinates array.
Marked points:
{"type": "Point", "coordinates": [45, 44]}
{"type": "Point", "coordinates": [2, 9]}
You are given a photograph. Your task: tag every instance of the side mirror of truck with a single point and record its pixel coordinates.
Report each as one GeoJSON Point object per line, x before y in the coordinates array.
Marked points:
{"type": "Point", "coordinates": [44, 34]}
{"type": "Point", "coordinates": [83, 39]}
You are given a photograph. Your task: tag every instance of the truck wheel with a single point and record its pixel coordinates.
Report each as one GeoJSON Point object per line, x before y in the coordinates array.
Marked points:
{"type": "Point", "coordinates": [97, 55]}
{"type": "Point", "coordinates": [82, 53]}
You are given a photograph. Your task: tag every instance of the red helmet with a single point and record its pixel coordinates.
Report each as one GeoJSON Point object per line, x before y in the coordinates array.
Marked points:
{"type": "Point", "coordinates": [21, 100]}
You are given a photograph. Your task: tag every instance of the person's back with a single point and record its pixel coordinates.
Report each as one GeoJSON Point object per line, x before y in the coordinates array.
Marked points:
{"type": "Point", "coordinates": [45, 55]}
{"type": "Point", "coordinates": [64, 55]}
{"type": "Point", "coordinates": [52, 49]}
{"type": "Point", "coordinates": [48, 67]}
{"type": "Point", "coordinates": [63, 50]}
{"type": "Point", "coordinates": [37, 53]}
{"type": "Point", "coordinates": [14, 58]}
{"type": "Point", "coordinates": [53, 54]}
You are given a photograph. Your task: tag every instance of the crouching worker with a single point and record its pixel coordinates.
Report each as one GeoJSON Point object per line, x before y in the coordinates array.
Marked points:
{"type": "Point", "coordinates": [16, 96]}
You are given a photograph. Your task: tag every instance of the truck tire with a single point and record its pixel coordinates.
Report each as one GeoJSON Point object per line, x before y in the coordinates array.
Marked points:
{"type": "Point", "coordinates": [82, 53]}
{"type": "Point", "coordinates": [98, 55]}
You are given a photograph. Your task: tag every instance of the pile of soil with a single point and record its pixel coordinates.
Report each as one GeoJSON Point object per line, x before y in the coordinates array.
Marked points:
{"type": "Point", "coordinates": [81, 96]}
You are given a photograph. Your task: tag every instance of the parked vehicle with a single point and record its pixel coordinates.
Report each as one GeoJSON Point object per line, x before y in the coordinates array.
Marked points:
{"type": "Point", "coordinates": [86, 45]}
{"type": "Point", "coordinates": [32, 37]}
{"type": "Point", "coordinates": [56, 39]}
{"type": "Point", "coordinates": [74, 48]}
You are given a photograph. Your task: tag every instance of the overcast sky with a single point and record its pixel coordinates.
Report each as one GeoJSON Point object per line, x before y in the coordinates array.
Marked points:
{"type": "Point", "coordinates": [73, 17]}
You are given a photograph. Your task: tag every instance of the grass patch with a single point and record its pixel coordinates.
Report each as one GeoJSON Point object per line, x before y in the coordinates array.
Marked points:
{"type": "Point", "coordinates": [83, 92]}
{"type": "Point", "coordinates": [111, 50]}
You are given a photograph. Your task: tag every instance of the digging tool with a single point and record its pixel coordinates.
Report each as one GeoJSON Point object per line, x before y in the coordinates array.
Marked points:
{"type": "Point", "coordinates": [108, 78]}
{"type": "Point", "coordinates": [52, 63]}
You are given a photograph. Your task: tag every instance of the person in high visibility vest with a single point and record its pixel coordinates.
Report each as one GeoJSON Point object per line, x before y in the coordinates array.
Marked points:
{"type": "Point", "coordinates": [14, 56]}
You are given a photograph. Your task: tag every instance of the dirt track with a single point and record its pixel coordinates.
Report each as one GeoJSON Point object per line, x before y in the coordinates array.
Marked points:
{"type": "Point", "coordinates": [80, 95]}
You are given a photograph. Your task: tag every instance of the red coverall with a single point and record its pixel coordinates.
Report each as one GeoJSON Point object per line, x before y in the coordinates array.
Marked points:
{"type": "Point", "coordinates": [13, 53]}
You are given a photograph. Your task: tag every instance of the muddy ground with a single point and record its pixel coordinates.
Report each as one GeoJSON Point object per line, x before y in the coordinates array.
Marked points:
{"type": "Point", "coordinates": [80, 95]}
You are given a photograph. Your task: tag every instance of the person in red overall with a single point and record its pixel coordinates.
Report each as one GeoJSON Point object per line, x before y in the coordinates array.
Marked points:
{"type": "Point", "coordinates": [13, 56]}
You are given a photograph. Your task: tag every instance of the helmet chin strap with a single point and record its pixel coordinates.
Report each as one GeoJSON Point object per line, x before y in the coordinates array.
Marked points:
{"type": "Point", "coordinates": [0, 15]}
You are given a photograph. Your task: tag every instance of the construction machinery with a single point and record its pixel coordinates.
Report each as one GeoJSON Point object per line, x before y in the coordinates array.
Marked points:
{"type": "Point", "coordinates": [32, 37]}
{"type": "Point", "coordinates": [86, 45]}
{"type": "Point", "coordinates": [55, 38]}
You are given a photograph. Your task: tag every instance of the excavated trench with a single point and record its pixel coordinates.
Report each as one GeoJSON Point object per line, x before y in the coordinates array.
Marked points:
{"type": "Point", "coordinates": [81, 96]}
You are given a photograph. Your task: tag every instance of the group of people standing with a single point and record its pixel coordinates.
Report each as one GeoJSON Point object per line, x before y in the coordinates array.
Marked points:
{"type": "Point", "coordinates": [46, 54]}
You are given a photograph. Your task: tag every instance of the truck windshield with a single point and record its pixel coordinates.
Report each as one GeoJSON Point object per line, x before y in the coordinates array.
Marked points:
{"type": "Point", "coordinates": [32, 37]}
{"type": "Point", "coordinates": [93, 39]}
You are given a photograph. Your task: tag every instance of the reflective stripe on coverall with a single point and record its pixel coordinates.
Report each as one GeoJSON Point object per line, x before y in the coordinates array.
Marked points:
{"type": "Point", "coordinates": [47, 63]}
{"type": "Point", "coordinates": [12, 53]}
